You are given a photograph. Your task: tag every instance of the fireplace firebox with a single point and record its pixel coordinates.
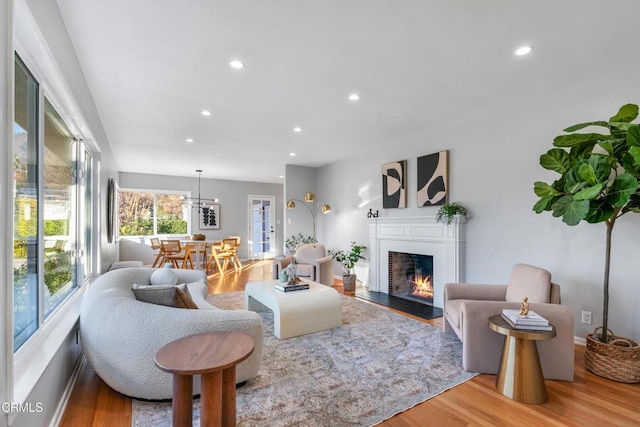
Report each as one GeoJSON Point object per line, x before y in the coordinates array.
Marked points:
{"type": "Point", "coordinates": [411, 276]}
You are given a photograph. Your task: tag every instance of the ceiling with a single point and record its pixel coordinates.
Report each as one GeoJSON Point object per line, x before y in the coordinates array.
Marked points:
{"type": "Point", "coordinates": [153, 66]}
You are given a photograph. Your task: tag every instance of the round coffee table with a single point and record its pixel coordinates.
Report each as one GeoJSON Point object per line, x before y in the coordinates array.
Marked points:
{"type": "Point", "coordinates": [520, 376]}
{"type": "Point", "coordinates": [214, 356]}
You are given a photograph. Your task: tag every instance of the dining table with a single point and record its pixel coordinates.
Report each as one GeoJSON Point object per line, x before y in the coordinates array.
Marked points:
{"type": "Point", "coordinates": [201, 247]}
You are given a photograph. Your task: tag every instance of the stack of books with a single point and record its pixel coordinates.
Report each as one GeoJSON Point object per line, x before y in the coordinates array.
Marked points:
{"type": "Point", "coordinates": [285, 287]}
{"type": "Point", "coordinates": [532, 321]}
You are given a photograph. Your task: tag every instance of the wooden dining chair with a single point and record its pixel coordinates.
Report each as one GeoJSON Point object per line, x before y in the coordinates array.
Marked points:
{"type": "Point", "coordinates": [228, 254]}
{"type": "Point", "coordinates": [214, 249]}
{"type": "Point", "coordinates": [237, 257]}
{"type": "Point", "coordinates": [156, 246]}
{"type": "Point", "coordinates": [175, 253]}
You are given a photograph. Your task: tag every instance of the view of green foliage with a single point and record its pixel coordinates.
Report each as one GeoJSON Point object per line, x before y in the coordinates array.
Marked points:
{"type": "Point", "coordinates": [56, 227]}
{"type": "Point", "coordinates": [136, 214]}
{"type": "Point", "coordinates": [57, 272]}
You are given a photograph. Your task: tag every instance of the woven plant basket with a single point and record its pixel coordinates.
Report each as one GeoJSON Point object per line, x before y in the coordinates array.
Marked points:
{"type": "Point", "coordinates": [617, 360]}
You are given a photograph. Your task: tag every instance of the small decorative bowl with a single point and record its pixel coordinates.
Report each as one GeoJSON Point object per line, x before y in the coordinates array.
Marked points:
{"type": "Point", "coordinates": [198, 237]}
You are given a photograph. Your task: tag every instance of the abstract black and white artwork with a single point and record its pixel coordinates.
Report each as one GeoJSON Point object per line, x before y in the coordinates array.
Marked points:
{"type": "Point", "coordinates": [210, 217]}
{"type": "Point", "coordinates": [432, 179]}
{"type": "Point", "coordinates": [394, 184]}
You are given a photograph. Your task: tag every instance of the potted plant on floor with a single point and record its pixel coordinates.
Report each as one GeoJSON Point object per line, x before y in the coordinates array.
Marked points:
{"type": "Point", "coordinates": [348, 260]}
{"type": "Point", "coordinates": [599, 182]}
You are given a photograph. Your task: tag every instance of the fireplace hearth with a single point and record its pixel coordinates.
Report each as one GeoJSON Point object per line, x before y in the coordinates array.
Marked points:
{"type": "Point", "coordinates": [411, 276]}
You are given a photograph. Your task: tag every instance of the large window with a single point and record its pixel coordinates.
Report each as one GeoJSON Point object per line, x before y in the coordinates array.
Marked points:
{"type": "Point", "coordinates": [148, 213]}
{"type": "Point", "coordinates": [52, 207]}
{"type": "Point", "coordinates": [59, 207]}
{"type": "Point", "coordinates": [25, 213]}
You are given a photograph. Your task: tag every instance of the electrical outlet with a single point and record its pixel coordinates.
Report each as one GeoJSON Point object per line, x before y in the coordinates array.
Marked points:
{"type": "Point", "coordinates": [586, 317]}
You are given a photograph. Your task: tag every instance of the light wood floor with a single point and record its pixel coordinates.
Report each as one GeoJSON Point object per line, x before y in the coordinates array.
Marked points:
{"type": "Point", "coordinates": [588, 401]}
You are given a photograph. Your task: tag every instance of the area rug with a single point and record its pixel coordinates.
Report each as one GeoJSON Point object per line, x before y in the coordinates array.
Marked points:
{"type": "Point", "coordinates": [374, 366]}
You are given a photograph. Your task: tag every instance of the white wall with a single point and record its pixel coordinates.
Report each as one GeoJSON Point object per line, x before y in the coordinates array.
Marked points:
{"type": "Point", "coordinates": [299, 180]}
{"type": "Point", "coordinates": [493, 164]}
{"type": "Point", "coordinates": [234, 203]}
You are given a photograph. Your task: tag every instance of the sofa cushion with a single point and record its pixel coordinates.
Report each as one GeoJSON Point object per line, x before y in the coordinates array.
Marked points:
{"type": "Point", "coordinates": [529, 281]}
{"type": "Point", "coordinates": [170, 296]}
{"type": "Point", "coordinates": [183, 294]}
{"type": "Point", "coordinates": [125, 264]}
{"type": "Point", "coordinates": [164, 276]}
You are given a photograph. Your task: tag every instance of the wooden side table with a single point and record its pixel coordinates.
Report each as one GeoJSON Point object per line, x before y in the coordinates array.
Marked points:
{"type": "Point", "coordinates": [520, 376]}
{"type": "Point", "coordinates": [214, 356]}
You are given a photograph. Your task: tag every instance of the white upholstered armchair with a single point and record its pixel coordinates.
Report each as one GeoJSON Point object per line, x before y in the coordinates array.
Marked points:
{"type": "Point", "coordinates": [467, 308]}
{"type": "Point", "coordinates": [312, 263]}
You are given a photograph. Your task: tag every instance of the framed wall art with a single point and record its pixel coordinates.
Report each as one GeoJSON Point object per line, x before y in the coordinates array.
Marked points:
{"type": "Point", "coordinates": [394, 184]}
{"type": "Point", "coordinates": [433, 172]}
{"type": "Point", "coordinates": [210, 217]}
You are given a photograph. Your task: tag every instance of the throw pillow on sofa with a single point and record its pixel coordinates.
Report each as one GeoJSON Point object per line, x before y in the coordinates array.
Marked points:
{"type": "Point", "coordinates": [164, 276]}
{"type": "Point", "coordinates": [170, 296]}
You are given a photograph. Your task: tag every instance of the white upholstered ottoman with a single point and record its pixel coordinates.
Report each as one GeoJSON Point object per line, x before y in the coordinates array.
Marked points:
{"type": "Point", "coordinates": [296, 313]}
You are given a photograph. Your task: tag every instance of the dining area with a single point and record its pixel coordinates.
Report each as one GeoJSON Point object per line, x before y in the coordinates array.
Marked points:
{"type": "Point", "coordinates": [195, 252]}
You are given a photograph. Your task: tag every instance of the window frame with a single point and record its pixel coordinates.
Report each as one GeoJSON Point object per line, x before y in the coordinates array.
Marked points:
{"type": "Point", "coordinates": [155, 193]}
{"type": "Point", "coordinates": [27, 364]}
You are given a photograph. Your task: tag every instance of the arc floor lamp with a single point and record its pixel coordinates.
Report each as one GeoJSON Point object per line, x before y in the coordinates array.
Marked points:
{"type": "Point", "coordinates": [310, 198]}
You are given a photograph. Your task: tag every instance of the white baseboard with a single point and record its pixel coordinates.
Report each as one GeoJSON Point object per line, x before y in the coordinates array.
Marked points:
{"type": "Point", "coordinates": [55, 421]}
{"type": "Point", "coordinates": [580, 341]}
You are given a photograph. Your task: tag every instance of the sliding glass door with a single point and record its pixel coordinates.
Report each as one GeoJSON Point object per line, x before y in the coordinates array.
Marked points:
{"type": "Point", "coordinates": [53, 207]}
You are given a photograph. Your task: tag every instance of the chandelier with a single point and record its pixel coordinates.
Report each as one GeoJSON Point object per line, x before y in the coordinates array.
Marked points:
{"type": "Point", "coordinates": [310, 198]}
{"type": "Point", "coordinates": [199, 202]}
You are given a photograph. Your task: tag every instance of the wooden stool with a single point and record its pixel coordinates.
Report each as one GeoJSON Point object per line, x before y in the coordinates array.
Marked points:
{"type": "Point", "coordinates": [214, 356]}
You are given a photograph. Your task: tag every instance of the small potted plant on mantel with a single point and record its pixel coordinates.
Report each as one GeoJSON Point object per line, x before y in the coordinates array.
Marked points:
{"type": "Point", "coordinates": [348, 260]}
{"type": "Point", "coordinates": [448, 211]}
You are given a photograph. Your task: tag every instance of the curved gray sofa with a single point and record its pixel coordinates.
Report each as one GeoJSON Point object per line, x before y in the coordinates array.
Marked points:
{"type": "Point", "coordinates": [121, 335]}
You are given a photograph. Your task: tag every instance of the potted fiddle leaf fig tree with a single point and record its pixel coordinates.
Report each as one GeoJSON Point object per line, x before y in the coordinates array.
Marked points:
{"type": "Point", "coordinates": [348, 260]}
{"type": "Point", "coordinates": [599, 183]}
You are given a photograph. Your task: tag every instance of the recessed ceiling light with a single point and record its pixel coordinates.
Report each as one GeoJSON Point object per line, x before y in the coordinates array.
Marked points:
{"type": "Point", "coordinates": [189, 140]}
{"type": "Point", "coordinates": [523, 50]}
{"type": "Point", "coordinates": [206, 113]}
{"type": "Point", "coordinates": [281, 176]}
{"type": "Point", "coordinates": [292, 154]}
{"type": "Point", "coordinates": [297, 129]}
{"type": "Point", "coordinates": [236, 64]}
{"type": "Point", "coordinates": [354, 97]}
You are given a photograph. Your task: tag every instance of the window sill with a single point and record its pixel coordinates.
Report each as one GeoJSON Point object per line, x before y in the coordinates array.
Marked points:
{"type": "Point", "coordinates": [32, 359]}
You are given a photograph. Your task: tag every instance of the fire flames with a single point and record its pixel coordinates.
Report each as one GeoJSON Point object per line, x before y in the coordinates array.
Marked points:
{"type": "Point", "coordinates": [422, 287]}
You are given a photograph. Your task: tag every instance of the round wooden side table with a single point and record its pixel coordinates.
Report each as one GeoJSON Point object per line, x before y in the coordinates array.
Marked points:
{"type": "Point", "coordinates": [520, 376]}
{"type": "Point", "coordinates": [214, 356]}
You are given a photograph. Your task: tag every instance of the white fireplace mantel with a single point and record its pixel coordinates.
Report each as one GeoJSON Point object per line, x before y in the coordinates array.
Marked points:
{"type": "Point", "coordinates": [419, 235]}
